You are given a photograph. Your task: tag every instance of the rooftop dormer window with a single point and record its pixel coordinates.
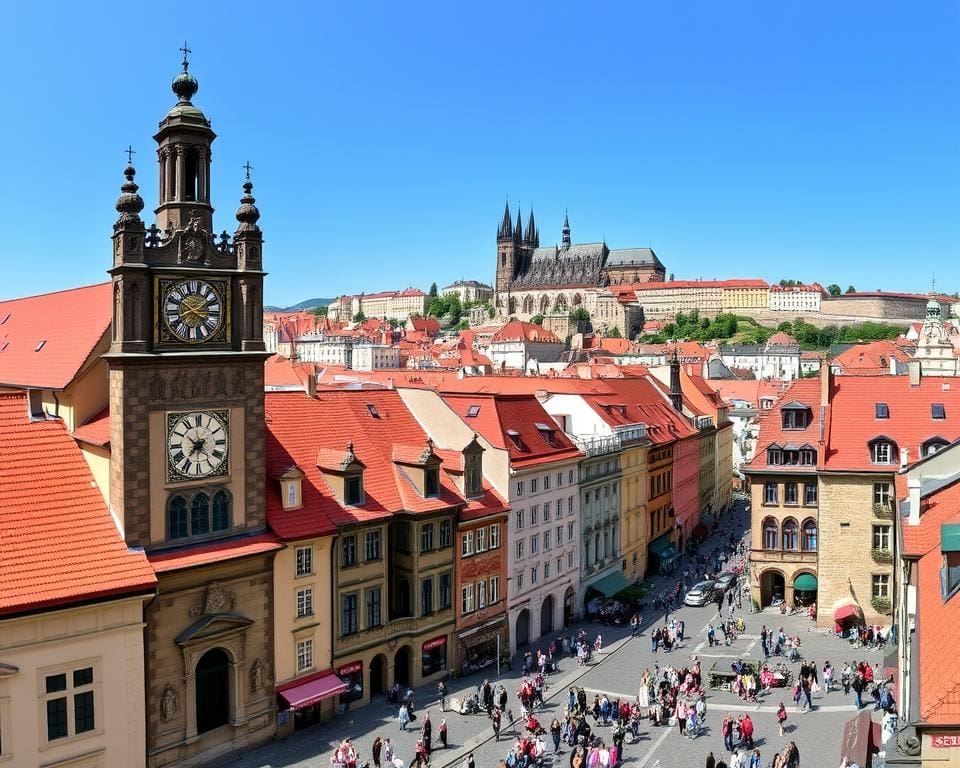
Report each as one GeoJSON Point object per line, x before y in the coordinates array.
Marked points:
{"type": "Point", "coordinates": [795, 416]}
{"type": "Point", "coordinates": [933, 445]}
{"type": "Point", "coordinates": [937, 411]}
{"type": "Point", "coordinates": [291, 488]}
{"type": "Point", "coordinates": [353, 490]}
{"type": "Point", "coordinates": [881, 411]}
{"type": "Point", "coordinates": [372, 410]}
{"type": "Point", "coordinates": [515, 439]}
{"type": "Point", "coordinates": [882, 451]}
{"type": "Point", "coordinates": [774, 456]}
{"type": "Point", "coordinates": [431, 483]}
{"type": "Point", "coordinates": [546, 432]}
{"type": "Point", "coordinates": [473, 411]}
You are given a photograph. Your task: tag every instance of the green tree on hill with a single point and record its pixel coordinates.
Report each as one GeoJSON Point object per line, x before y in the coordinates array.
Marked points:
{"type": "Point", "coordinates": [433, 290]}
{"type": "Point", "coordinates": [833, 289]}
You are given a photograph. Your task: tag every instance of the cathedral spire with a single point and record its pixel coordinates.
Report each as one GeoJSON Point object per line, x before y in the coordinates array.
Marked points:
{"type": "Point", "coordinates": [506, 226]}
{"type": "Point", "coordinates": [566, 229]}
{"type": "Point", "coordinates": [532, 230]}
{"type": "Point", "coordinates": [518, 230]}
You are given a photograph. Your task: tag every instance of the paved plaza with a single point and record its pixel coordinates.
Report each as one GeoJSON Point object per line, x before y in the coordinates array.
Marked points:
{"type": "Point", "coordinates": [616, 673]}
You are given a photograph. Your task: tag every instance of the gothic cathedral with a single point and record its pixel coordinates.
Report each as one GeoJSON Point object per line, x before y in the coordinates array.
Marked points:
{"type": "Point", "coordinates": [187, 447]}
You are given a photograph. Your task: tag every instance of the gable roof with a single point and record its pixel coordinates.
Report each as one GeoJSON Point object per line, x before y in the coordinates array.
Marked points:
{"type": "Point", "coordinates": [301, 428]}
{"type": "Point", "coordinates": [852, 421]}
{"type": "Point", "coordinates": [54, 522]}
{"type": "Point", "coordinates": [802, 393]}
{"type": "Point", "coordinates": [517, 330]}
{"type": "Point", "coordinates": [45, 340]}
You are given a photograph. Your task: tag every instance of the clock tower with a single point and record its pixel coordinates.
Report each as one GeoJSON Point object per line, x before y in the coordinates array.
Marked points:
{"type": "Point", "coordinates": [187, 445]}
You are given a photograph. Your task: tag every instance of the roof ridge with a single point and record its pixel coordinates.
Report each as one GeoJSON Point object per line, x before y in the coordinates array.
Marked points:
{"type": "Point", "coordinates": [54, 293]}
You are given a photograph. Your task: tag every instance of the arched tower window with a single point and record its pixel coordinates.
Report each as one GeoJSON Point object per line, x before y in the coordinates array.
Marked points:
{"type": "Point", "coordinates": [771, 533]}
{"type": "Point", "coordinates": [200, 515]}
{"type": "Point", "coordinates": [789, 533]}
{"type": "Point", "coordinates": [177, 518]}
{"type": "Point", "coordinates": [808, 538]}
{"type": "Point", "coordinates": [221, 511]}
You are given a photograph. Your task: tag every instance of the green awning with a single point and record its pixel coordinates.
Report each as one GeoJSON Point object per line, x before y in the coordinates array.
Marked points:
{"type": "Point", "coordinates": [950, 537]}
{"type": "Point", "coordinates": [805, 582]}
{"type": "Point", "coordinates": [660, 545]}
{"type": "Point", "coordinates": [610, 584]}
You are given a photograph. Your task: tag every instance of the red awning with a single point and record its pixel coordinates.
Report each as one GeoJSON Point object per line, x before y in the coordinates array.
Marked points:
{"type": "Point", "coordinates": [311, 691]}
{"type": "Point", "coordinates": [861, 738]}
{"type": "Point", "coordinates": [846, 611]}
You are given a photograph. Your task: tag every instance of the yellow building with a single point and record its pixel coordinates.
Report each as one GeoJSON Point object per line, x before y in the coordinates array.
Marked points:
{"type": "Point", "coordinates": [71, 636]}
{"type": "Point", "coordinates": [633, 509]}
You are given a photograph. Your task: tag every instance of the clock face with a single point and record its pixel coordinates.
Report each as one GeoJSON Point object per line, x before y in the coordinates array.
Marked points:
{"type": "Point", "coordinates": [197, 444]}
{"type": "Point", "coordinates": [193, 310]}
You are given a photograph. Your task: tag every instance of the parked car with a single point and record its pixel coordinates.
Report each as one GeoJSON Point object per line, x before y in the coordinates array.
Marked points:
{"type": "Point", "coordinates": [700, 594]}
{"type": "Point", "coordinates": [724, 581]}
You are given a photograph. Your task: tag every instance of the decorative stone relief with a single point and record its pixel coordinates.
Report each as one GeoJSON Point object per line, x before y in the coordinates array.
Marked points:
{"type": "Point", "coordinates": [216, 600]}
{"type": "Point", "coordinates": [237, 386]}
{"type": "Point", "coordinates": [202, 384]}
{"type": "Point", "coordinates": [158, 387]}
{"type": "Point", "coordinates": [168, 704]}
{"type": "Point", "coordinates": [258, 676]}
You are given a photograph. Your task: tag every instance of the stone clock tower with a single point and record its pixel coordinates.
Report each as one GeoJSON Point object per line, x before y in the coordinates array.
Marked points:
{"type": "Point", "coordinates": [187, 446]}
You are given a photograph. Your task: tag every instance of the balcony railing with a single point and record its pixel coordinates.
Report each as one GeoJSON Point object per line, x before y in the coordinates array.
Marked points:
{"type": "Point", "coordinates": [703, 423]}
{"type": "Point", "coordinates": [599, 445]}
{"type": "Point", "coordinates": [884, 511]}
{"type": "Point", "coordinates": [631, 432]}
{"type": "Point", "coordinates": [409, 625]}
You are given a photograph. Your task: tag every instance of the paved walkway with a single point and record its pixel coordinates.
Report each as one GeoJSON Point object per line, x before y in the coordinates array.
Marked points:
{"type": "Point", "coordinates": [313, 747]}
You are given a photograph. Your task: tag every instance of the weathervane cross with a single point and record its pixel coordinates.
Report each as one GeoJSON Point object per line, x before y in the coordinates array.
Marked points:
{"type": "Point", "coordinates": [130, 153]}
{"type": "Point", "coordinates": [186, 52]}
{"type": "Point", "coordinates": [247, 167]}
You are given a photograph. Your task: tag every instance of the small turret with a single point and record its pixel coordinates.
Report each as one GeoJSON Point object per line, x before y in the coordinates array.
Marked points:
{"type": "Point", "coordinates": [676, 393]}
{"type": "Point", "coordinates": [518, 230]}
{"type": "Point", "coordinates": [566, 230]}
{"type": "Point", "coordinates": [533, 237]}
{"type": "Point", "coordinates": [505, 230]}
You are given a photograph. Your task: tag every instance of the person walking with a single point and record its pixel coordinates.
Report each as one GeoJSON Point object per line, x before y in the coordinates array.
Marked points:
{"type": "Point", "coordinates": [711, 761]}
{"type": "Point", "coordinates": [403, 716]}
{"type": "Point", "coordinates": [442, 693]}
{"type": "Point", "coordinates": [555, 729]}
{"type": "Point", "coordinates": [468, 762]}
{"type": "Point", "coordinates": [726, 729]}
{"type": "Point", "coordinates": [791, 756]}
{"type": "Point", "coordinates": [426, 732]}
{"type": "Point", "coordinates": [781, 717]}
{"type": "Point", "coordinates": [858, 685]}
{"type": "Point", "coordinates": [443, 732]}
{"type": "Point", "coordinates": [755, 759]}
{"type": "Point", "coordinates": [746, 731]}
{"type": "Point", "coordinates": [682, 718]}
{"type": "Point", "coordinates": [376, 751]}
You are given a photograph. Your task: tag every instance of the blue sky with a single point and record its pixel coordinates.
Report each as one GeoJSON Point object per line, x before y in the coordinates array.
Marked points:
{"type": "Point", "coordinates": [814, 140]}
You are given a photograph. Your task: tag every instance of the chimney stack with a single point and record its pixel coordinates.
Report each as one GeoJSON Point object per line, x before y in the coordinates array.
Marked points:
{"type": "Point", "coordinates": [913, 371]}
{"type": "Point", "coordinates": [825, 383]}
{"type": "Point", "coordinates": [914, 496]}
{"type": "Point", "coordinates": [310, 385]}
{"type": "Point", "coordinates": [903, 458]}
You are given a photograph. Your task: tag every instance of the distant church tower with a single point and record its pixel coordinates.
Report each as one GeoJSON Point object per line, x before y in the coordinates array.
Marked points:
{"type": "Point", "coordinates": [506, 253]}
{"type": "Point", "coordinates": [187, 459]}
{"type": "Point", "coordinates": [934, 348]}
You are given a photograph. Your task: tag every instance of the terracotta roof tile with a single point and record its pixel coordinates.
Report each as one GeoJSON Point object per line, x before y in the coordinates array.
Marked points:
{"type": "Point", "coordinates": [95, 430]}
{"type": "Point", "coordinates": [301, 428]}
{"type": "Point", "coordinates": [53, 521]}
{"type": "Point", "coordinates": [802, 392]}
{"type": "Point", "coordinates": [213, 552]}
{"type": "Point", "coordinates": [45, 340]}
{"type": "Point", "coordinates": [517, 330]}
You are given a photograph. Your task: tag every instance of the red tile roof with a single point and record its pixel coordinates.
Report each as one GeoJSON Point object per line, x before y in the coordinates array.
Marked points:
{"type": "Point", "coordinates": [95, 430]}
{"type": "Point", "coordinates": [517, 330]}
{"type": "Point", "coordinates": [869, 358]}
{"type": "Point", "coordinates": [45, 340]}
{"type": "Point", "coordinates": [214, 552]}
{"type": "Point", "coordinates": [282, 372]}
{"type": "Point", "coordinates": [58, 542]}
{"type": "Point", "coordinates": [428, 325]}
{"type": "Point", "coordinates": [937, 620]}
{"type": "Point", "coordinates": [804, 392]}
{"type": "Point", "coordinates": [852, 422]}
{"type": "Point", "coordinates": [299, 428]}
{"type": "Point", "coordinates": [635, 400]}
{"type": "Point", "coordinates": [519, 414]}
{"type": "Point", "coordinates": [734, 283]}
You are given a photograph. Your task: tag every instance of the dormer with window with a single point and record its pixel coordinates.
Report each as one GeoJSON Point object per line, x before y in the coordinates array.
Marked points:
{"type": "Point", "coordinates": [514, 437]}
{"type": "Point", "coordinates": [933, 445]}
{"type": "Point", "coordinates": [795, 415]}
{"type": "Point", "coordinates": [473, 469]}
{"type": "Point", "coordinates": [950, 548]}
{"type": "Point", "coordinates": [421, 466]}
{"type": "Point", "coordinates": [774, 454]}
{"type": "Point", "coordinates": [883, 450]}
{"type": "Point", "coordinates": [291, 488]}
{"type": "Point", "coordinates": [547, 433]}
{"type": "Point", "coordinates": [343, 472]}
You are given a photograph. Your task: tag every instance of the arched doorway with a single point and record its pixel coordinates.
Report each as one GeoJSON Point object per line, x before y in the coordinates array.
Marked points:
{"type": "Point", "coordinates": [523, 628]}
{"type": "Point", "coordinates": [546, 615]}
{"type": "Point", "coordinates": [771, 587]}
{"type": "Point", "coordinates": [402, 666]}
{"type": "Point", "coordinates": [213, 690]}
{"type": "Point", "coordinates": [378, 675]}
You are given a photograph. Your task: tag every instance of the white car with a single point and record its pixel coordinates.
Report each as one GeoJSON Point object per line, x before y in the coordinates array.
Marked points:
{"type": "Point", "coordinates": [700, 594]}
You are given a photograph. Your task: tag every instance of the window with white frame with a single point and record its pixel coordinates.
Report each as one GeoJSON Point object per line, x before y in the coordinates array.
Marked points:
{"type": "Point", "coordinates": [521, 549]}
{"type": "Point", "coordinates": [569, 559]}
{"type": "Point", "coordinates": [546, 571]}
{"type": "Point", "coordinates": [559, 479]}
{"type": "Point", "coordinates": [534, 514]}
{"type": "Point", "coordinates": [559, 535]}
{"type": "Point", "coordinates": [534, 545]}
{"type": "Point", "coordinates": [70, 701]}
{"type": "Point", "coordinates": [493, 593]}
{"type": "Point", "coordinates": [372, 545]}
{"type": "Point", "coordinates": [481, 539]}
{"type": "Point", "coordinates": [304, 602]}
{"type": "Point", "coordinates": [481, 594]}
{"type": "Point", "coordinates": [546, 482]}
{"type": "Point", "coordinates": [519, 488]}
{"type": "Point", "coordinates": [881, 585]}
{"type": "Point", "coordinates": [495, 536]}
{"type": "Point", "coordinates": [534, 484]}
{"type": "Point", "coordinates": [466, 598]}
{"type": "Point", "coordinates": [446, 533]}
{"type": "Point", "coordinates": [881, 537]}
{"type": "Point", "coordinates": [534, 573]}
{"type": "Point", "coordinates": [466, 544]}
{"type": "Point", "coordinates": [304, 561]}
{"type": "Point", "coordinates": [570, 505]}
{"type": "Point", "coordinates": [518, 519]}
{"type": "Point", "coordinates": [546, 540]}
{"type": "Point", "coordinates": [519, 581]}
{"type": "Point", "coordinates": [559, 509]}
{"type": "Point", "coordinates": [569, 531]}
{"type": "Point", "coordinates": [304, 655]}
{"type": "Point", "coordinates": [882, 452]}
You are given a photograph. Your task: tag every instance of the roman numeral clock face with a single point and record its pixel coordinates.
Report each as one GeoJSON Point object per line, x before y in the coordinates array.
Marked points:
{"type": "Point", "coordinates": [192, 311]}
{"type": "Point", "coordinates": [197, 445]}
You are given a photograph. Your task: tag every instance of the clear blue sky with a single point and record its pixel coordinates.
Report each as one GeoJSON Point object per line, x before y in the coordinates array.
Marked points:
{"type": "Point", "coordinates": [814, 140]}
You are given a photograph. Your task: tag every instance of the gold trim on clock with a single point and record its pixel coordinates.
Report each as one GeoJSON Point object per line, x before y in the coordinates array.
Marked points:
{"type": "Point", "coordinates": [191, 310]}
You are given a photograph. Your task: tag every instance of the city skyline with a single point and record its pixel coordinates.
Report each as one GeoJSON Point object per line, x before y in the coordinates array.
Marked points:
{"type": "Point", "coordinates": [793, 145]}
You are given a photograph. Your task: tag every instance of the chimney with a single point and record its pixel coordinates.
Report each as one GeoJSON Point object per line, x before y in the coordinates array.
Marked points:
{"type": "Point", "coordinates": [676, 394]}
{"type": "Point", "coordinates": [310, 385]}
{"type": "Point", "coordinates": [913, 371]}
{"type": "Point", "coordinates": [914, 496]}
{"type": "Point", "coordinates": [903, 458]}
{"type": "Point", "coordinates": [825, 384]}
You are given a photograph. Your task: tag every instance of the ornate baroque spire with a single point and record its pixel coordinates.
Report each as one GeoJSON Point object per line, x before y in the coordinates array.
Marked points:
{"type": "Point", "coordinates": [129, 204]}
{"type": "Point", "coordinates": [185, 85]}
{"type": "Point", "coordinates": [506, 226]}
{"type": "Point", "coordinates": [248, 214]}
{"type": "Point", "coordinates": [566, 230]}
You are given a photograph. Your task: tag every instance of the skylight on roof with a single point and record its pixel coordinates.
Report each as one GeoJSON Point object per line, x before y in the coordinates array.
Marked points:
{"type": "Point", "coordinates": [937, 411]}
{"type": "Point", "coordinates": [544, 427]}
{"type": "Point", "coordinates": [5, 318]}
{"type": "Point", "coordinates": [472, 411]}
{"type": "Point", "coordinates": [372, 409]}
{"type": "Point", "coordinates": [882, 411]}
{"type": "Point", "coordinates": [40, 345]}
